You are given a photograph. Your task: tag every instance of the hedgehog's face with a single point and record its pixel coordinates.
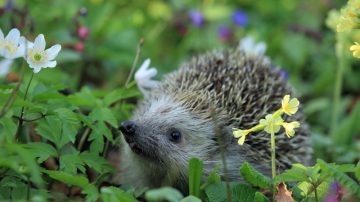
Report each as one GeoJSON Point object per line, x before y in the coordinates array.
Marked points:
{"type": "Point", "coordinates": [165, 131]}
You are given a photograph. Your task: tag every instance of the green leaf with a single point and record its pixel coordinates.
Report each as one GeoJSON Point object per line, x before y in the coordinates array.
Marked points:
{"type": "Point", "coordinates": [165, 193]}
{"type": "Point", "coordinates": [260, 197]}
{"type": "Point", "coordinates": [341, 177]}
{"type": "Point", "coordinates": [71, 163]}
{"type": "Point", "coordinates": [70, 123]}
{"type": "Point", "coordinates": [7, 129]}
{"type": "Point", "coordinates": [217, 192]}
{"type": "Point", "coordinates": [190, 199]}
{"type": "Point", "coordinates": [119, 94]}
{"type": "Point", "coordinates": [75, 180]}
{"type": "Point", "coordinates": [104, 114]}
{"type": "Point", "coordinates": [41, 150]}
{"type": "Point", "coordinates": [214, 177]}
{"type": "Point", "coordinates": [195, 174]}
{"type": "Point", "coordinates": [357, 171]}
{"type": "Point", "coordinates": [296, 174]}
{"type": "Point", "coordinates": [96, 162]}
{"type": "Point", "coordinates": [254, 177]}
{"type": "Point", "coordinates": [114, 194]}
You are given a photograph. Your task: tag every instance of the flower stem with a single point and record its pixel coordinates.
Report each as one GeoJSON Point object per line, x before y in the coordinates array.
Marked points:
{"type": "Point", "coordinates": [138, 51]}
{"type": "Point", "coordinates": [273, 173]}
{"type": "Point", "coordinates": [21, 119]}
{"type": "Point", "coordinates": [338, 81]}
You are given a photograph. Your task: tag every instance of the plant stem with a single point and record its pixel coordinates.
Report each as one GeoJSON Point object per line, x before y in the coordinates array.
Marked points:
{"type": "Point", "coordinates": [21, 119]}
{"type": "Point", "coordinates": [316, 195]}
{"type": "Point", "coordinates": [138, 51]}
{"type": "Point", "coordinates": [273, 173]}
{"type": "Point", "coordinates": [338, 81]}
{"type": "Point", "coordinates": [12, 97]}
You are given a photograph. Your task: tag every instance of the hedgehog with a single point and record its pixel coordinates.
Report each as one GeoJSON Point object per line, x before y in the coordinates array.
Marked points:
{"type": "Point", "coordinates": [192, 113]}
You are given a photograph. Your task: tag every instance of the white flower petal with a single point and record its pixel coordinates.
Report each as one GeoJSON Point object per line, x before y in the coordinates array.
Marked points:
{"type": "Point", "coordinates": [260, 48]}
{"type": "Point", "coordinates": [247, 43]}
{"type": "Point", "coordinates": [145, 65]}
{"type": "Point", "coordinates": [37, 70]}
{"type": "Point", "coordinates": [150, 84]}
{"type": "Point", "coordinates": [53, 51]}
{"type": "Point", "coordinates": [5, 67]}
{"type": "Point", "coordinates": [39, 43]}
{"type": "Point", "coordinates": [14, 36]}
{"type": "Point", "coordinates": [50, 64]}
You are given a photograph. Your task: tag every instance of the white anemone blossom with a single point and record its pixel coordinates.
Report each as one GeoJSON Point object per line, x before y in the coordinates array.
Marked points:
{"type": "Point", "coordinates": [12, 46]}
{"type": "Point", "coordinates": [143, 77]}
{"type": "Point", "coordinates": [37, 57]}
{"type": "Point", "coordinates": [250, 47]}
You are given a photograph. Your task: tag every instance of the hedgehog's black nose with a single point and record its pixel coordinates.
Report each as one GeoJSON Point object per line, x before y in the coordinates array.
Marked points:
{"type": "Point", "coordinates": [128, 127]}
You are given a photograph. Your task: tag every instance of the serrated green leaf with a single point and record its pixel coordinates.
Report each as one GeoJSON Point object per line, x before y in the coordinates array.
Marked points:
{"type": "Point", "coordinates": [104, 114]}
{"type": "Point", "coordinates": [75, 180]}
{"type": "Point", "coordinates": [341, 177]}
{"type": "Point", "coordinates": [195, 174]}
{"type": "Point", "coordinates": [7, 129]}
{"type": "Point", "coordinates": [190, 199]}
{"type": "Point", "coordinates": [41, 150]}
{"type": "Point", "coordinates": [254, 177]}
{"type": "Point", "coordinates": [165, 193]}
{"type": "Point", "coordinates": [114, 194]}
{"type": "Point", "coordinates": [96, 162]}
{"type": "Point", "coordinates": [70, 163]}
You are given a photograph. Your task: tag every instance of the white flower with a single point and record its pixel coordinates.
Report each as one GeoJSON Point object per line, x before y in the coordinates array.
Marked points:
{"type": "Point", "coordinates": [37, 57]}
{"type": "Point", "coordinates": [250, 47]}
{"type": "Point", "coordinates": [5, 66]}
{"type": "Point", "coordinates": [12, 46]}
{"type": "Point", "coordinates": [143, 77]}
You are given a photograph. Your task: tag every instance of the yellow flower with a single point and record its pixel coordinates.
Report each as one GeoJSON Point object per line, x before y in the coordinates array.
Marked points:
{"type": "Point", "coordinates": [345, 24]}
{"type": "Point", "coordinates": [271, 123]}
{"type": "Point", "coordinates": [288, 106]}
{"type": "Point", "coordinates": [289, 128]}
{"type": "Point", "coordinates": [241, 134]}
{"type": "Point", "coordinates": [356, 50]}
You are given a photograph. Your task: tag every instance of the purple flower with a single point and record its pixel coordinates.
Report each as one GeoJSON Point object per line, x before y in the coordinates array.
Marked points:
{"type": "Point", "coordinates": [240, 18]}
{"type": "Point", "coordinates": [9, 5]}
{"type": "Point", "coordinates": [197, 18]}
{"type": "Point", "coordinates": [225, 34]}
{"type": "Point", "coordinates": [335, 193]}
{"type": "Point", "coordinates": [284, 74]}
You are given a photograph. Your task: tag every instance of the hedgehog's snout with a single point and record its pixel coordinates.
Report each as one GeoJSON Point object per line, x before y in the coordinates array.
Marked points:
{"type": "Point", "coordinates": [128, 128]}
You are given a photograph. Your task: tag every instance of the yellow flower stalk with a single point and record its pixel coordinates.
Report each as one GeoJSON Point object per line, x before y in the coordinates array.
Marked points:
{"type": "Point", "coordinates": [356, 50]}
{"type": "Point", "coordinates": [288, 106]}
{"type": "Point", "coordinates": [272, 124]}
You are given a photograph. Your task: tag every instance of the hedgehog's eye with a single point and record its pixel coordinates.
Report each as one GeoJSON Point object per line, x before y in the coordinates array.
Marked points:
{"type": "Point", "coordinates": [175, 136]}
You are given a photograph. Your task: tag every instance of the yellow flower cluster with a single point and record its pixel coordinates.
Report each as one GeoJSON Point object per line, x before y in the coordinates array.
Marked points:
{"type": "Point", "coordinates": [347, 19]}
{"type": "Point", "coordinates": [349, 16]}
{"type": "Point", "coordinates": [273, 122]}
